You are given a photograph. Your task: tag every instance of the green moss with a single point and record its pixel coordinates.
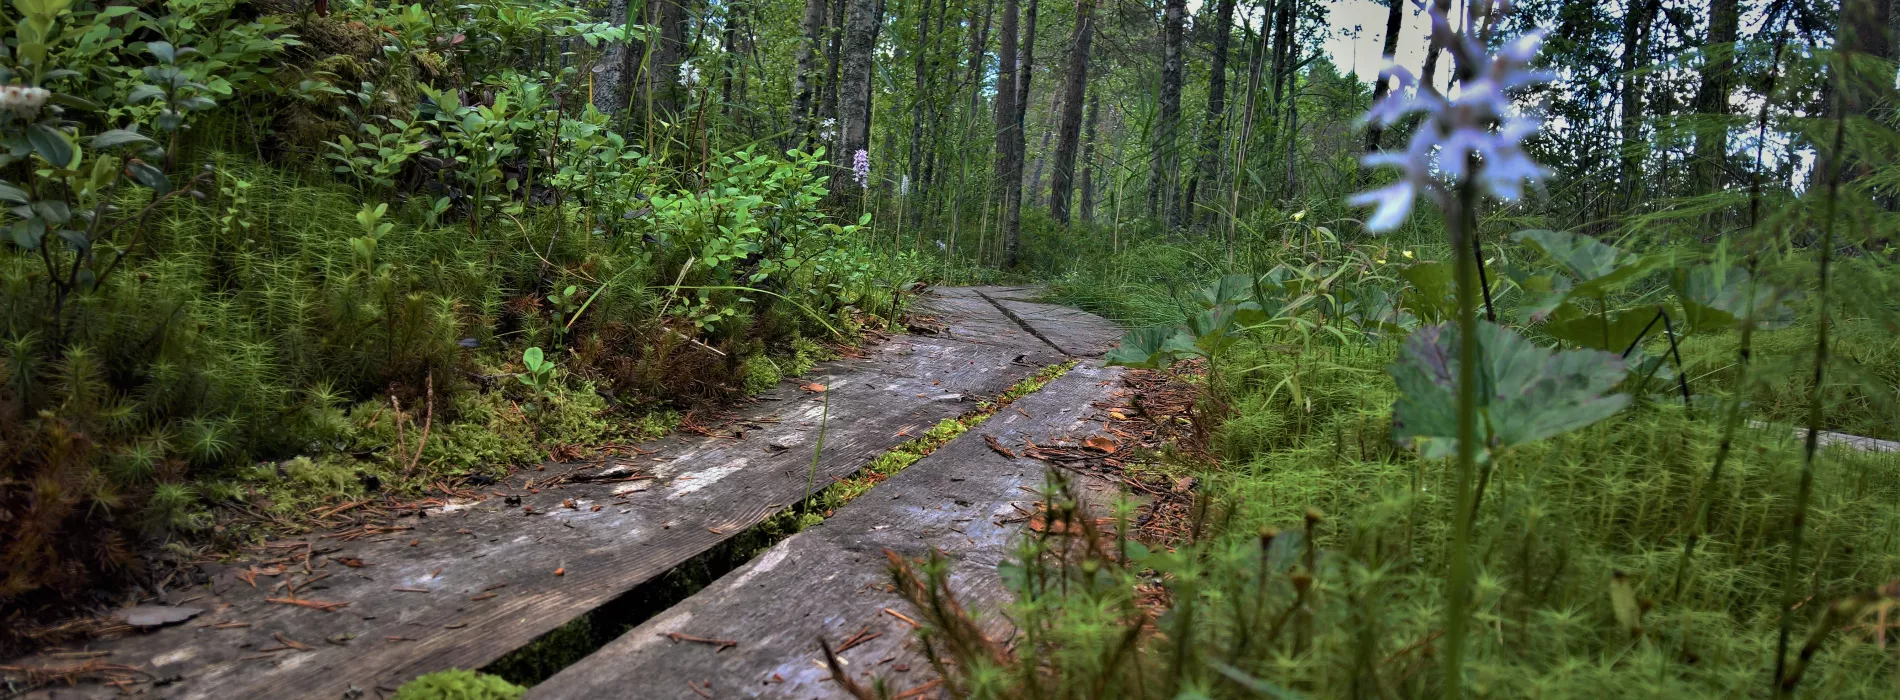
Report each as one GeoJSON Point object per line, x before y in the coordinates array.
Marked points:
{"type": "Point", "coordinates": [758, 374]}
{"type": "Point", "coordinates": [805, 355]}
{"type": "Point", "coordinates": [457, 684]}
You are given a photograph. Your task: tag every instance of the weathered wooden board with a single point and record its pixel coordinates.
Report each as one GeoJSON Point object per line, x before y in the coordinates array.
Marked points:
{"type": "Point", "coordinates": [471, 582]}
{"type": "Point", "coordinates": [964, 499]}
{"type": "Point", "coordinates": [1067, 331]}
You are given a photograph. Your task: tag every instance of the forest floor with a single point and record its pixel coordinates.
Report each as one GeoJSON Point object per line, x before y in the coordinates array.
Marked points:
{"type": "Point", "coordinates": [528, 576]}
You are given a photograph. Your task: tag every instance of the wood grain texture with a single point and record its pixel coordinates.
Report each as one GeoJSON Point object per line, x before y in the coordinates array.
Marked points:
{"type": "Point", "coordinates": [706, 490]}
{"type": "Point", "coordinates": [827, 581]}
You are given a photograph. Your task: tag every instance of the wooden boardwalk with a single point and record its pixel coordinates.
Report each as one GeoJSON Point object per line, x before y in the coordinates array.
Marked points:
{"type": "Point", "coordinates": [829, 581]}
{"type": "Point", "coordinates": [357, 614]}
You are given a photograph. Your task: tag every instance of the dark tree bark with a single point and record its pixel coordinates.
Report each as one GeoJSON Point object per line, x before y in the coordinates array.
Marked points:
{"type": "Point", "coordinates": [1069, 130]}
{"type": "Point", "coordinates": [1865, 37]}
{"type": "Point", "coordinates": [1712, 95]}
{"type": "Point", "coordinates": [1162, 173]}
{"type": "Point", "coordinates": [729, 63]}
{"type": "Point", "coordinates": [804, 82]}
{"type": "Point", "coordinates": [1636, 23]}
{"type": "Point", "coordinates": [854, 90]}
{"type": "Point", "coordinates": [1216, 124]}
{"type": "Point", "coordinates": [1293, 103]}
{"type": "Point", "coordinates": [915, 172]}
{"type": "Point", "coordinates": [979, 46]}
{"type": "Point", "coordinates": [664, 91]}
{"type": "Point", "coordinates": [1428, 74]}
{"type": "Point", "coordinates": [1013, 205]}
{"type": "Point", "coordinates": [1033, 189]}
{"type": "Point", "coordinates": [1086, 183]}
{"type": "Point", "coordinates": [619, 63]}
{"type": "Point", "coordinates": [1394, 17]}
{"type": "Point", "coordinates": [828, 105]}
{"type": "Point", "coordinates": [1005, 112]}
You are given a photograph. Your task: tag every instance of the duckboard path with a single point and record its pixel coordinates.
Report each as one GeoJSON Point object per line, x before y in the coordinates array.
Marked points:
{"type": "Point", "coordinates": [358, 613]}
{"type": "Point", "coordinates": [830, 581]}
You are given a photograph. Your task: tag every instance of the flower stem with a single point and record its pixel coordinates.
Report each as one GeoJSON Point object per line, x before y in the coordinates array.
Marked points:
{"type": "Point", "coordinates": [1809, 449]}
{"type": "Point", "coordinates": [1462, 224]}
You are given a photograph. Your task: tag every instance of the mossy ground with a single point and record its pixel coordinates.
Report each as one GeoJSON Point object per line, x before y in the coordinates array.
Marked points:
{"type": "Point", "coordinates": [1582, 585]}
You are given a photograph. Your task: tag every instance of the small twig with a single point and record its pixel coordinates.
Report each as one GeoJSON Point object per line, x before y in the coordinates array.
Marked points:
{"type": "Point", "coordinates": [312, 604]}
{"type": "Point", "coordinates": [428, 419]}
{"type": "Point", "coordinates": [837, 673]}
{"type": "Point", "coordinates": [723, 644]}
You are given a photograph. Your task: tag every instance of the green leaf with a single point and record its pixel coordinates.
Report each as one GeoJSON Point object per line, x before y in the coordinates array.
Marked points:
{"type": "Point", "coordinates": [55, 212]}
{"type": "Point", "coordinates": [73, 102]}
{"type": "Point", "coordinates": [118, 137]}
{"type": "Point", "coordinates": [28, 232]}
{"type": "Point", "coordinates": [1593, 331]}
{"type": "Point", "coordinates": [51, 144]}
{"type": "Point", "coordinates": [143, 93]}
{"type": "Point", "coordinates": [1585, 258]}
{"type": "Point", "coordinates": [145, 174]}
{"type": "Point", "coordinates": [1229, 289]}
{"type": "Point", "coordinates": [9, 193]}
{"type": "Point", "coordinates": [1144, 348]}
{"type": "Point", "coordinates": [1526, 392]}
{"type": "Point", "coordinates": [1431, 290]}
{"type": "Point", "coordinates": [76, 239]}
{"type": "Point", "coordinates": [163, 51]}
{"type": "Point", "coordinates": [1717, 297]}
{"type": "Point", "coordinates": [1597, 267]}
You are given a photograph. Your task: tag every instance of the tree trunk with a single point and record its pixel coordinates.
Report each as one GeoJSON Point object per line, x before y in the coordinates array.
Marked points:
{"type": "Point", "coordinates": [1635, 27]}
{"type": "Point", "coordinates": [619, 63]}
{"type": "Point", "coordinates": [1005, 108]}
{"type": "Point", "coordinates": [1162, 172]}
{"type": "Point", "coordinates": [913, 175]}
{"type": "Point", "coordinates": [804, 82]}
{"type": "Point", "coordinates": [979, 45]}
{"type": "Point", "coordinates": [1712, 96]}
{"type": "Point", "coordinates": [1394, 17]}
{"type": "Point", "coordinates": [854, 91]}
{"type": "Point", "coordinates": [1013, 205]}
{"type": "Point", "coordinates": [729, 60]}
{"type": "Point", "coordinates": [1293, 106]}
{"type": "Point", "coordinates": [1069, 130]}
{"type": "Point", "coordinates": [1864, 35]}
{"type": "Point", "coordinates": [828, 106]}
{"type": "Point", "coordinates": [1087, 181]}
{"type": "Point", "coordinates": [1428, 74]}
{"type": "Point", "coordinates": [664, 91]}
{"type": "Point", "coordinates": [1216, 124]}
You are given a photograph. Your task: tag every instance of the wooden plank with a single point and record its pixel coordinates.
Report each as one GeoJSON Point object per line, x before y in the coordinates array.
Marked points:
{"type": "Point", "coordinates": [967, 316]}
{"type": "Point", "coordinates": [1077, 333]}
{"type": "Point", "coordinates": [965, 499]}
{"type": "Point", "coordinates": [548, 563]}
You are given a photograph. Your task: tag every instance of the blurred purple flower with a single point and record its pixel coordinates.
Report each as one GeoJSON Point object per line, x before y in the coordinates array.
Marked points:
{"type": "Point", "coordinates": [1477, 136]}
{"type": "Point", "coordinates": [861, 168]}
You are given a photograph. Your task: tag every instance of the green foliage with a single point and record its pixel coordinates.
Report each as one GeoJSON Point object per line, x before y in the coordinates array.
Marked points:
{"type": "Point", "coordinates": [760, 374]}
{"type": "Point", "coordinates": [171, 313]}
{"type": "Point", "coordinates": [457, 684]}
{"type": "Point", "coordinates": [1527, 393]}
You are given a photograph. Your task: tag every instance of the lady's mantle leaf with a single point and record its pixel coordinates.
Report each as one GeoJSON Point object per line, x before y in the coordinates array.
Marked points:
{"type": "Point", "coordinates": [1526, 392]}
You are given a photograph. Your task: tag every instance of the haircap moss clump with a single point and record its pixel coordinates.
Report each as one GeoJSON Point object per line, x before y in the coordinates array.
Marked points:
{"type": "Point", "coordinates": [458, 684]}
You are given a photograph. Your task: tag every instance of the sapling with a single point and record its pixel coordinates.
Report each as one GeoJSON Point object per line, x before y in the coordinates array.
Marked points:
{"type": "Point", "coordinates": [1466, 146]}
